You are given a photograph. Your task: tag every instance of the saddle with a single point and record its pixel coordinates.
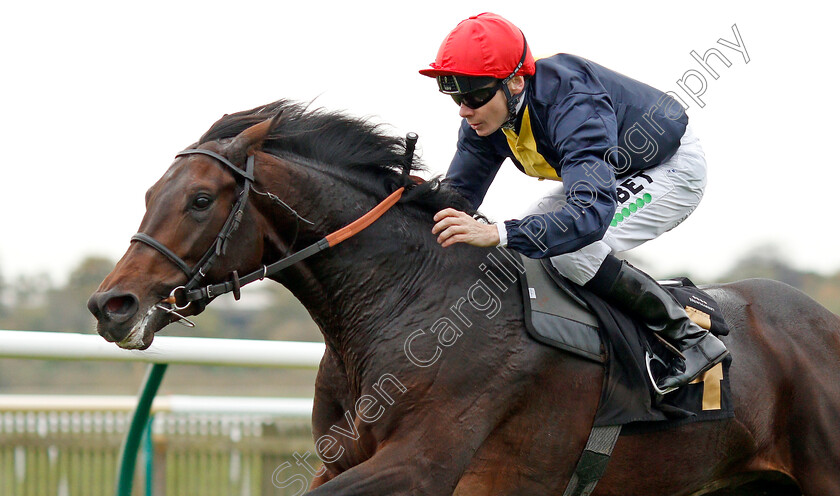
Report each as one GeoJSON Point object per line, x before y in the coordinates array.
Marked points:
{"type": "Point", "coordinates": [561, 314]}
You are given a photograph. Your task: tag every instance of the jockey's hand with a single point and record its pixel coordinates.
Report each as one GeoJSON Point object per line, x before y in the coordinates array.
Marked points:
{"type": "Point", "coordinates": [453, 226]}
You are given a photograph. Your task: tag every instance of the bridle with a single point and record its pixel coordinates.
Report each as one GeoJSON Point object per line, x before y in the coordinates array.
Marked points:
{"type": "Point", "coordinates": [182, 296]}
{"type": "Point", "coordinates": [195, 274]}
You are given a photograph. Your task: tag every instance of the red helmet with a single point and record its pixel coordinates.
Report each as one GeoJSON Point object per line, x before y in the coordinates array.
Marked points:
{"type": "Point", "coordinates": [483, 45]}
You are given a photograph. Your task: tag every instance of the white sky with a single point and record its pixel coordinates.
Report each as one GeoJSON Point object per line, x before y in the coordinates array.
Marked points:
{"type": "Point", "coordinates": [97, 97]}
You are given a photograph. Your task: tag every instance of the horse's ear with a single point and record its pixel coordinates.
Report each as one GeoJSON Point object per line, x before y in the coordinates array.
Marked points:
{"type": "Point", "coordinates": [250, 139]}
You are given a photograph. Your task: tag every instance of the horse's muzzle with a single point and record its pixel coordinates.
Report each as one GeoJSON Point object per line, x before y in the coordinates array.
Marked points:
{"type": "Point", "coordinates": [112, 309]}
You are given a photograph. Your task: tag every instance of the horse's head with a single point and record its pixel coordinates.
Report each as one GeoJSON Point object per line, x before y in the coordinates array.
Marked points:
{"type": "Point", "coordinates": [179, 239]}
{"type": "Point", "coordinates": [316, 164]}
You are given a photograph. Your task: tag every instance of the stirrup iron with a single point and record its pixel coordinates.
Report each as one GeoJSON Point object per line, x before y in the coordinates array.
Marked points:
{"type": "Point", "coordinates": [651, 358]}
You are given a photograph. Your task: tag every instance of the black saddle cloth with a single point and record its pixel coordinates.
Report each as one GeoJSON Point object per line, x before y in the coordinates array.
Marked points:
{"type": "Point", "coordinates": [561, 314]}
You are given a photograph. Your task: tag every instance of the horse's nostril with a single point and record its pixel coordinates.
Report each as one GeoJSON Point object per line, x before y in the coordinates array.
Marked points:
{"type": "Point", "coordinates": [121, 308]}
{"type": "Point", "coordinates": [117, 305]}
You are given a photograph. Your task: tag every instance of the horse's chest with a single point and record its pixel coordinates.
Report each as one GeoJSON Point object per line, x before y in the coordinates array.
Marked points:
{"type": "Point", "coordinates": [344, 441]}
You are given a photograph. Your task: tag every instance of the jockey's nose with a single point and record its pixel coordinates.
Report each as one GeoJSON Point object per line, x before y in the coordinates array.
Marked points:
{"type": "Point", "coordinates": [113, 306]}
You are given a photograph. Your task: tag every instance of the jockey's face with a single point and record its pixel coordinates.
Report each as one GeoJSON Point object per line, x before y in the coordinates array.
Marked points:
{"type": "Point", "coordinates": [488, 118]}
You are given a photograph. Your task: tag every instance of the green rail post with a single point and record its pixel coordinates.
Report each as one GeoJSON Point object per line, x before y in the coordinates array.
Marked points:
{"type": "Point", "coordinates": [149, 456]}
{"type": "Point", "coordinates": [128, 451]}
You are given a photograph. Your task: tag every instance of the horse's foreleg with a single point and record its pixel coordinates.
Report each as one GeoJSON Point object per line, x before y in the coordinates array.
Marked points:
{"type": "Point", "coordinates": [319, 480]}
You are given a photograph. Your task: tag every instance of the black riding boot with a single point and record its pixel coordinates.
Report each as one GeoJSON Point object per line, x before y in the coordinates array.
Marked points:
{"type": "Point", "coordinates": [635, 292]}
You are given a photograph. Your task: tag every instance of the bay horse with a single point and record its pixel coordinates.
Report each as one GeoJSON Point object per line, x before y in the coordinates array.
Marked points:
{"type": "Point", "coordinates": [429, 384]}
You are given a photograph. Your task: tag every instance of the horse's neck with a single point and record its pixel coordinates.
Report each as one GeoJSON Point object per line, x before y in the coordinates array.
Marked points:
{"type": "Point", "coordinates": [390, 278]}
{"type": "Point", "coordinates": [374, 283]}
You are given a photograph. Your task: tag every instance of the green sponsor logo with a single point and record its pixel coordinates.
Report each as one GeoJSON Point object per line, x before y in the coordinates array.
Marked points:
{"type": "Point", "coordinates": [632, 207]}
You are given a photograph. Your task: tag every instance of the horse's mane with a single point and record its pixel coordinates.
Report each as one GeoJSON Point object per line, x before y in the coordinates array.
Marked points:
{"type": "Point", "coordinates": [343, 143]}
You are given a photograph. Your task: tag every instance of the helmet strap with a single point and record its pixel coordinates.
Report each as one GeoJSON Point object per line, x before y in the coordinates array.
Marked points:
{"type": "Point", "coordinates": [513, 100]}
{"type": "Point", "coordinates": [512, 105]}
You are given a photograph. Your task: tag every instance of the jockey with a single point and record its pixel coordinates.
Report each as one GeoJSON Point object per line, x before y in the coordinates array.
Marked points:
{"type": "Point", "coordinates": [627, 164]}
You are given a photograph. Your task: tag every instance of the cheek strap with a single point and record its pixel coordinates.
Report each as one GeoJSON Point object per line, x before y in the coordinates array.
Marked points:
{"type": "Point", "coordinates": [513, 100]}
{"type": "Point", "coordinates": [513, 104]}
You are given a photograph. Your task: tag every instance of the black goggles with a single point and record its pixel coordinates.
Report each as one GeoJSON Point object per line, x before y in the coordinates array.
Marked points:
{"type": "Point", "coordinates": [472, 91]}
{"type": "Point", "coordinates": [477, 98]}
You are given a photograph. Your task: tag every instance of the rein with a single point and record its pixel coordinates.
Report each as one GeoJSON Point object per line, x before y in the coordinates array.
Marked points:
{"type": "Point", "coordinates": [182, 296]}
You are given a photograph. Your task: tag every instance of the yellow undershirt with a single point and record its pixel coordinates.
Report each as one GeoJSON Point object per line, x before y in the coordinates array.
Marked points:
{"type": "Point", "coordinates": [524, 148]}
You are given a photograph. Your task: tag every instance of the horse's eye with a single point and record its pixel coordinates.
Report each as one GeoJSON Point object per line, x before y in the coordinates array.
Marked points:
{"type": "Point", "coordinates": [202, 202]}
